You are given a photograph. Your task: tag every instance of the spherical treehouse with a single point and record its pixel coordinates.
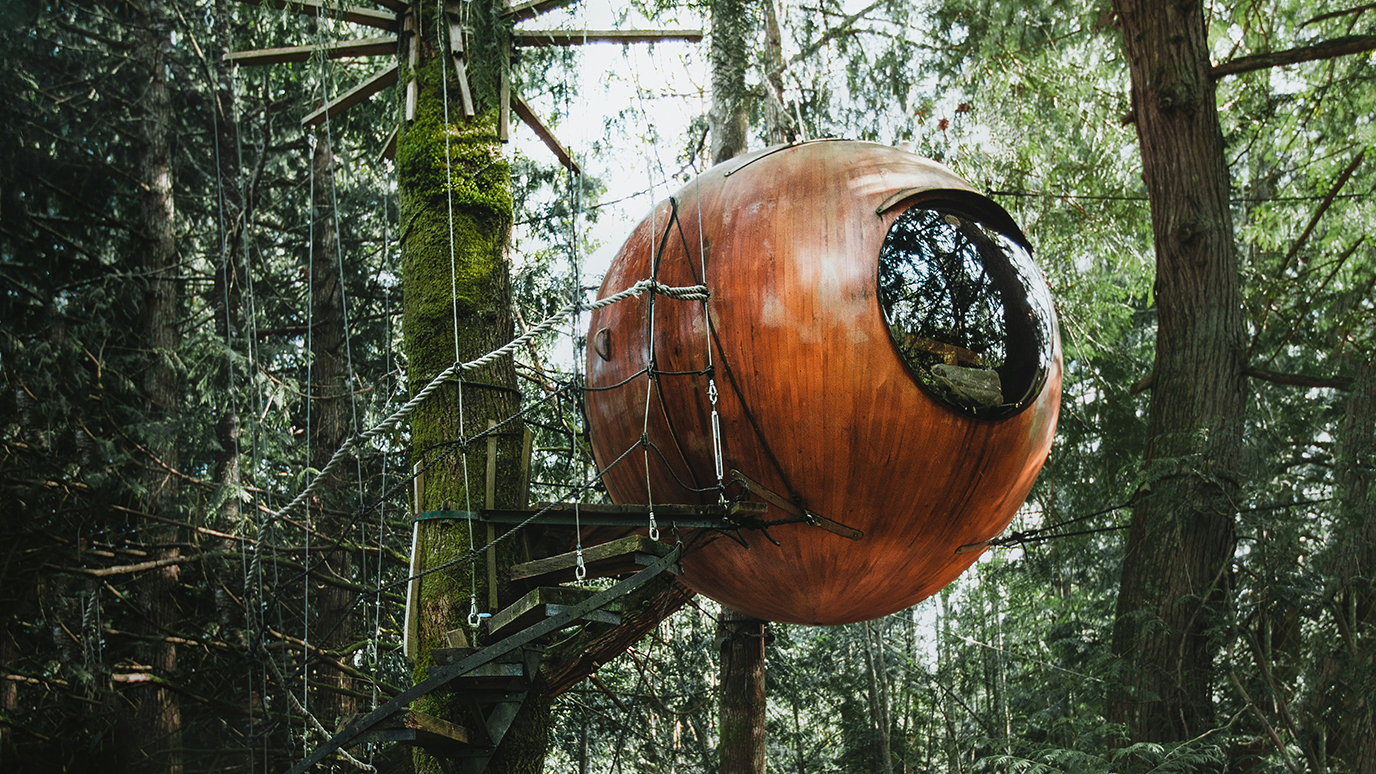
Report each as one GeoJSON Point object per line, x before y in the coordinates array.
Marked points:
{"type": "Point", "coordinates": [886, 360]}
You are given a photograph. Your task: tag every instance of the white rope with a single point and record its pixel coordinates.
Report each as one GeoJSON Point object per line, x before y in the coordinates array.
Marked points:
{"type": "Point", "coordinates": [686, 293]}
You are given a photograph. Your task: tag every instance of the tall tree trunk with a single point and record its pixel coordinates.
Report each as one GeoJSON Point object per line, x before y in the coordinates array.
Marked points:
{"type": "Point", "coordinates": [460, 163]}
{"type": "Point", "coordinates": [225, 304]}
{"type": "Point", "coordinates": [330, 392]}
{"type": "Point", "coordinates": [1349, 675]}
{"type": "Point", "coordinates": [878, 695]}
{"type": "Point", "coordinates": [740, 725]}
{"type": "Point", "coordinates": [158, 717]}
{"type": "Point", "coordinates": [778, 123]}
{"type": "Point", "coordinates": [730, 115]}
{"type": "Point", "coordinates": [225, 292]}
{"type": "Point", "coordinates": [1175, 570]}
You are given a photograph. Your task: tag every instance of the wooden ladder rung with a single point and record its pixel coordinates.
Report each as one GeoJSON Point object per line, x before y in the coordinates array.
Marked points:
{"type": "Point", "coordinates": [545, 602]}
{"type": "Point", "coordinates": [619, 557]}
{"type": "Point", "coordinates": [417, 728]}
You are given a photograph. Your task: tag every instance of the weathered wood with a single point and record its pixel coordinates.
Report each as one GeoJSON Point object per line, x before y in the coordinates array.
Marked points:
{"type": "Point", "coordinates": [389, 146]}
{"type": "Point", "coordinates": [619, 557]}
{"type": "Point", "coordinates": [504, 104]}
{"type": "Point", "coordinates": [489, 502]}
{"type": "Point", "coordinates": [714, 516]}
{"type": "Point", "coordinates": [445, 675]}
{"type": "Point", "coordinates": [587, 650]}
{"type": "Point", "coordinates": [793, 510]}
{"type": "Point", "coordinates": [579, 37]}
{"type": "Point", "coordinates": [380, 46]}
{"type": "Point", "coordinates": [417, 728]}
{"type": "Point", "coordinates": [529, 118]}
{"type": "Point", "coordinates": [530, 10]}
{"type": "Point", "coordinates": [368, 17]}
{"type": "Point", "coordinates": [815, 400]}
{"type": "Point", "coordinates": [352, 97]}
{"type": "Point", "coordinates": [543, 603]}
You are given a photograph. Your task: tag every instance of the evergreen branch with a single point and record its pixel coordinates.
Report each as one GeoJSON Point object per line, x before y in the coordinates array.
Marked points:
{"type": "Point", "coordinates": [1328, 49]}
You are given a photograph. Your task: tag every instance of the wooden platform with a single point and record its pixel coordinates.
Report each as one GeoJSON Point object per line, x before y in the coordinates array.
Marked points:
{"type": "Point", "coordinates": [606, 560]}
{"type": "Point", "coordinates": [542, 603]}
{"type": "Point", "coordinates": [417, 728]}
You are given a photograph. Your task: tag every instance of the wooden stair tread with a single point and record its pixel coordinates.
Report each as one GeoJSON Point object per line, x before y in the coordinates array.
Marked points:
{"type": "Point", "coordinates": [417, 728]}
{"type": "Point", "coordinates": [546, 602]}
{"type": "Point", "coordinates": [619, 557]}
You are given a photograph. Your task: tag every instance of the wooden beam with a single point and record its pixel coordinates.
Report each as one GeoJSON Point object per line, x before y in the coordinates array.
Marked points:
{"type": "Point", "coordinates": [389, 147]}
{"type": "Point", "coordinates": [528, 117]}
{"type": "Point", "coordinates": [361, 47]}
{"type": "Point", "coordinates": [529, 10]}
{"type": "Point", "coordinates": [579, 37]}
{"type": "Point", "coordinates": [396, 6]}
{"type": "Point", "coordinates": [504, 104]}
{"type": "Point", "coordinates": [367, 17]}
{"type": "Point", "coordinates": [352, 97]}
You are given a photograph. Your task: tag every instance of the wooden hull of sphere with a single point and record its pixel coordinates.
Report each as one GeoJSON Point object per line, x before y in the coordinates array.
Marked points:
{"type": "Point", "coordinates": [815, 400]}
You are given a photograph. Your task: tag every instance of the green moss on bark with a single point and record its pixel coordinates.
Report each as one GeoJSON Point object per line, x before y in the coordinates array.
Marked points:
{"type": "Point", "coordinates": [464, 287]}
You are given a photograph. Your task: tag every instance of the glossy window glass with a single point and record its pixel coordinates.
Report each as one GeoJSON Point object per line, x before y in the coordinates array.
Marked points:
{"type": "Point", "coordinates": [968, 310]}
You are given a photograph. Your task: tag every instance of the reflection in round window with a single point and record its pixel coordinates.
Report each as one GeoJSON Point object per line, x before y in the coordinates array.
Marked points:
{"type": "Point", "coordinates": [968, 310]}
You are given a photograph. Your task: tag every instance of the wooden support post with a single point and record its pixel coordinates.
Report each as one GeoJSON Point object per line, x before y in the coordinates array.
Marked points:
{"type": "Point", "coordinates": [524, 500]}
{"type": "Point", "coordinates": [491, 499]}
{"type": "Point", "coordinates": [529, 118]}
{"type": "Point", "coordinates": [457, 53]}
{"type": "Point", "coordinates": [389, 147]}
{"type": "Point", "coordinates": [504, 113]}
{"type": "Point", "coordinates": [409, 638]}
{"type": "Point", "coordinates": [412, 60]}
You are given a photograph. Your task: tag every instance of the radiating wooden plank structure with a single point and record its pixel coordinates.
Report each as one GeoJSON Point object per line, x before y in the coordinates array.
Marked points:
{"type": "Point", "coordinates": [817, 404]}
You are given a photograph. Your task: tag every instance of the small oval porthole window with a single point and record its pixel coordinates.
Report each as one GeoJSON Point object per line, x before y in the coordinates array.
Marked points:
{"type": "Point", "coordinates": [967, 309]}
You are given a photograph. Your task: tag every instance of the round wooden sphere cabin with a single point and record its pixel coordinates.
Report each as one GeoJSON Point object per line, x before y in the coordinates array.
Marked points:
{"type": "Point", "coordinates": [885, 355]}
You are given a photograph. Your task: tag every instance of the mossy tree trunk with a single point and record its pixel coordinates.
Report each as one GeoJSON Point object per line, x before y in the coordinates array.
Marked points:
{"type": "Point", "coordinates": [456, 207]}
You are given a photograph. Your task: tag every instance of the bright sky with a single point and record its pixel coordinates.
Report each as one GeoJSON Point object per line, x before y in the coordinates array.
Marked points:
{"type": "Point", "coordinates": [662, 86]}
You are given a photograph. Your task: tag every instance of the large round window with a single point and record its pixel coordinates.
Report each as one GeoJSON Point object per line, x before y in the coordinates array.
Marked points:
{"type": "Point", "coordinates": [968, 310]}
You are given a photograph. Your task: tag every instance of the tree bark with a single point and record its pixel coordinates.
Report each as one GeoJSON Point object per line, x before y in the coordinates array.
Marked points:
{"type": "Point", "coordinates": [878, 695]}
{"type": "Point", "coordinates": [730, 115]}
{"type": "Point", "coordinates": [157, 729]}
{"type": "Point", "coordinates": [331, 395]}
{"type": "Point", "coordinates": [778, 123]}
{"type": "Point", "coordinates": [1348, 682]}
{"type": "Point", "coordinates": [1175, 569]}
{"type": "Point", "coordinates": [740, 726]}
{"type": "Point", "coordinates": [456, 285]}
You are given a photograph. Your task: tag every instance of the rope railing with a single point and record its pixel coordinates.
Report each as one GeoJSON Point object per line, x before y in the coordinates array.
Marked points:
{"type": "Point", "coordinates": [688, 293]}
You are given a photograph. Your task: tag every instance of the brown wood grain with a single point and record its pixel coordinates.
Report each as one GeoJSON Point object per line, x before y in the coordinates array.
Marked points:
{"type": "Point", "coordinates": [816, 402]}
